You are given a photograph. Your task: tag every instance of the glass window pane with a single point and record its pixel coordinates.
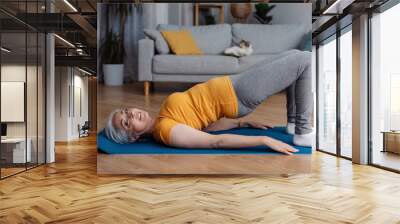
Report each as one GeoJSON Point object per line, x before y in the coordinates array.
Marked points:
{"type": "Point", "coordinates": [31, 97]}
{"type": "Point", "coordinates": [346, 93]}
{"type": "Point", "coordinates": [32, 85]}
{"type": "Point", "coordinates": [327, 97]}
{"type": "Point", "coordinates": [13, 86]}
{"type": "Point", "coordinates": [23, 85]}
{"type": "Point", "coordinates": [41, 99]}
{"type": "Point", "coordinates": [385, 84]}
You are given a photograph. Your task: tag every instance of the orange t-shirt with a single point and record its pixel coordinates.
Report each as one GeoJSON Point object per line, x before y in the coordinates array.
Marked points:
{"type": "Point", "coordinates": [197, 107]}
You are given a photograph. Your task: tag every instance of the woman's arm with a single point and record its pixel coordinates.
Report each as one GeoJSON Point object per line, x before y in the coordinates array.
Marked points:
{"type": "Point", "coordinates": [187, 137]}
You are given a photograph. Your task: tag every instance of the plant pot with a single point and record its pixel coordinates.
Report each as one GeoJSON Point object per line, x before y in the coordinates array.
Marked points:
{"type": "Point", "coordinates": [113, 74]}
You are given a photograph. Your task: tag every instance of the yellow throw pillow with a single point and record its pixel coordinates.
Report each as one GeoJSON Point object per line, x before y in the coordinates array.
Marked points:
{"type": "Point", "coordinates": [181, 42]}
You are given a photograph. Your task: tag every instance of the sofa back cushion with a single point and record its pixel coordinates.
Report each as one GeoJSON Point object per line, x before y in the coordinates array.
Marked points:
{"type": "Point", "coordinates": [160, 43]}
{"type": "Point", "coordinates": [211, 39]}
{"type": "Point", "coordinates": [181, 42]}
{"type": "Point", "coordinates": [267, 39]}
{"type": "Point", "coordinates": [306, 42]}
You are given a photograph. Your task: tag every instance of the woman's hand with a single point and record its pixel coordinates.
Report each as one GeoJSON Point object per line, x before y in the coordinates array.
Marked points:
{"type": "Point", "coordinates": [279, 146]}
{"type": "Point", "coordinates": [254, 124]}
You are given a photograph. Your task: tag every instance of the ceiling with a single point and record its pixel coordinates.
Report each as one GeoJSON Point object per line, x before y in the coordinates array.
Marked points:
{"type": "Point", "coordinates": [39, 6]}
{"type": "Point", "coordinates": [73, 20]}
{"type": "Point", "coordinates": [16, 42]}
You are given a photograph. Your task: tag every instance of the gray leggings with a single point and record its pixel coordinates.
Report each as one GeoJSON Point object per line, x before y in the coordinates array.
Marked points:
{"type": "Point", "coordinates": [290, 70]}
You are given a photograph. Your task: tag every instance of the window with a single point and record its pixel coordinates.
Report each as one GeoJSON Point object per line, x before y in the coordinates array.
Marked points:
{"type": "Point", "coordinates": [22, 75]}
{"type": "Point", "coordinates": [385, 88]}
{"type": "Point", "coordinates": [334, 106]}
{"type": "Point", "coordinates": [327, 96]}
{"type": "Point", "coordinates": [346, 75]}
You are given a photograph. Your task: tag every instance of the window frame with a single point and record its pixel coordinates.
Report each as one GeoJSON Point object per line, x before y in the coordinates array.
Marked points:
{"type": "Point", "coordinates": [333, 37]}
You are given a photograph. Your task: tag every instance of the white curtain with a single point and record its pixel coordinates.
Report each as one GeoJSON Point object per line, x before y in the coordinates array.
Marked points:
{"type": "Point", "coordinates": [154, 14]}
{"type": "Point", "coordinates": [133, 33]}
{"type": "Point", "coordinates": [180, 14]}
{"type": "Point", "coordinates": [148, 16]}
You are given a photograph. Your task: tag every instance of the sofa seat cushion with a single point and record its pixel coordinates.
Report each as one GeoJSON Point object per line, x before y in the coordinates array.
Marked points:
{"type": "Point", "coordinates": [199, 64]}
{"type": "Point", "coordinates": [267, 39]}
{"type": "Point", "coordinates": [211, 39]}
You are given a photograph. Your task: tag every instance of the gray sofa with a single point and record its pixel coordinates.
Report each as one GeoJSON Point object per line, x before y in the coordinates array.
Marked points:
{"type": "Point", "coordinates": [157, 64]}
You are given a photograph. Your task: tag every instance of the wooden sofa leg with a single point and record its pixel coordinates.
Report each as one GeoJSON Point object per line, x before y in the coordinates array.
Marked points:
{"type": "Point", "coordinates": [146, 88]}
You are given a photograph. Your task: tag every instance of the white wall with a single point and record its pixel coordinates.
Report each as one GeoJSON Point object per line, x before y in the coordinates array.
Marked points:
{"type": "Point", "coordinates": [81, 103]}
{"type": "Point", "coordinates": [61, 103]}
{"type": "Point", "coordinates": [70, 83]}
{"type": "Point", "coordinates": [16, 72]}
{"type": "Point", "coordinates": [34, 126]}
{"type": "Point", "coordinates": [283, 13]}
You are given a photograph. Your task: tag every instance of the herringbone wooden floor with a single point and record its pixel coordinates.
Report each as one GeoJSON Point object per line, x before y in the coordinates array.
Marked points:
{"type": "Point", "coordinates": [70, 191]}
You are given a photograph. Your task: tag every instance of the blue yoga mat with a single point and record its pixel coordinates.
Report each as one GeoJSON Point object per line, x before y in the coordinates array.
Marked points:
{"type": "Point", "coordinates": [150, 146]}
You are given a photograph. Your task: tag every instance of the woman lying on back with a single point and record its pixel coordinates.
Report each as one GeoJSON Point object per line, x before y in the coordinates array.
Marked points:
{"type": "Point", "coordinates": [185, 117]}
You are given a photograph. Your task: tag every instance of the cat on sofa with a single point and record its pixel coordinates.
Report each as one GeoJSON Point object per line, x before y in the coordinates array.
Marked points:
{"type": "Point", "coordinates": [244, 49]}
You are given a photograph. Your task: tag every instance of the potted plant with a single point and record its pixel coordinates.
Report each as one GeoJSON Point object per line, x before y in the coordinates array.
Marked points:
{"type": "Point", "coordinates": [261, 14]}
{"type": "Point", "coordinates": [112, 54]}
{"type": "Point", "coordinates": [113, 50]}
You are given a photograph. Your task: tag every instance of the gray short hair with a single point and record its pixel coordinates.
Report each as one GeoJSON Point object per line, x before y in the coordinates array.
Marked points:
{"type": "Point", "coordinates": [115, 134]}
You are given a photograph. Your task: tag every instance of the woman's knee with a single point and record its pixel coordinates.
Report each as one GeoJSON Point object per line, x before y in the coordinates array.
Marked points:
{"type": "Point", "coordinates": [290, 52]}
{"type": "Point", "coordinates": [297, 57]}
{"type": "Point", "coordinates": [304, 58]}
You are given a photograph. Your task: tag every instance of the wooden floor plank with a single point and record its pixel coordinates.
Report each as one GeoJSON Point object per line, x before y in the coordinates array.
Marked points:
{"type": "Point", "coordinates": [70, 191]}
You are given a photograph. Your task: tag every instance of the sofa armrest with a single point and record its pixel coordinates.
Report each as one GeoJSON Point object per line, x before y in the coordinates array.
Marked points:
{"type": "Point", "coordinates": [145, 60]}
